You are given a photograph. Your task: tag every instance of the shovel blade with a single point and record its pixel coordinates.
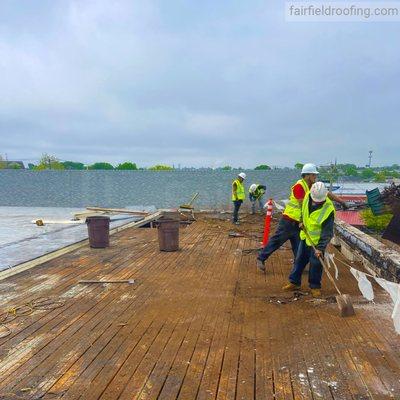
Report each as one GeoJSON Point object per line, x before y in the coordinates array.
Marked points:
{"type": "Point", "coordinates": [345, 305]}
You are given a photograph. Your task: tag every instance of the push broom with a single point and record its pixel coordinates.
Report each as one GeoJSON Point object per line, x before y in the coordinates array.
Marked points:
{"type": "Point", "coordinates": [343, 300]}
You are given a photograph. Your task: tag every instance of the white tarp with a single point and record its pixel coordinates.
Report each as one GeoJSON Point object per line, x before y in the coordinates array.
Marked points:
{"type": "Point", "coordinates": [364, 284]}
{"type": "Point", "coordinates": [394, 291]}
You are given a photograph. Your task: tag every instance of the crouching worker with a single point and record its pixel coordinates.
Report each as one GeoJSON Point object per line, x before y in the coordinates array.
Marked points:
{"type": "Point", "coordinates": [256, 193]}
{"type": "Point", "coordinates": [318, 215]}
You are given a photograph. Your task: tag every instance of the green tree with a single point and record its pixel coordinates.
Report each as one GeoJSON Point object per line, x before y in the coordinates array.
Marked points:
{"type": "Point", "coordinates": [298, 165]}
{"type": "Point", "coordinates": [262, 167]}
{"type": "Point", "coordinates": [380, 177]}
{"type": "Point", "coordinates": [3, 164]}
{"type": "Point", "coordinates": [101, 165]}
{"type": "Point", "coordinates": [127, 166]}
{"type": "Point", "coordinates": [349, 170]}
{"type": "Point", "coordinates": [367, 173]}
{"type": "Point", "coordinates": [48, 161]}
{"type": "Point", "coordinates": [73, 165]}
{"type": "Point", "coordinates": [375, 222]}
{"type": "Point", "coordinates": [160, 167]}
{"type": "Point", "coordinates": [31, 166]}
{"type": "Point", "coordinates": [14, 165]}
{"type": "Point", "coordinates": [227, 168]}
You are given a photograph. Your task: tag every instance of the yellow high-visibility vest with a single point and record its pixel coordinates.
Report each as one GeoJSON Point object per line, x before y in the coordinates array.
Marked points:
{"type": "Point", "coordinates": [293, 207]}
{"type": "Point", "coordinates": [313, 222]}
{"type": "Point", "coordinates": [239, 190]}
{"type": "Point", "coordinates": [258, 193]}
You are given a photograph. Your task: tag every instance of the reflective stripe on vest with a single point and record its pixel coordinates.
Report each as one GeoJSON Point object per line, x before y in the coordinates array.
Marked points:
{"type": "Point", "coordinates": [293, 207]}
{"type": "Point", "coordinates": [239, 190]}
{"type": "Point", "coordinates": [313, 222]}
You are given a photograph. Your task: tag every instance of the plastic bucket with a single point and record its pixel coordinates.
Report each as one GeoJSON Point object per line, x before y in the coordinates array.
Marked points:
{"type": "Point", "coordinates": [168, 234]}
{"type": "Point", "coordinates": [98, 231]}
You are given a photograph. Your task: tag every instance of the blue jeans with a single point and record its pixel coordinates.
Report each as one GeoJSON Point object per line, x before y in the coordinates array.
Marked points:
{"type": "Point", "coordinates": [236, 206]}
{"type": "Point", "coordinates": [253, 204]}
{"type": "Point", "coordinates": [305, 255]}
{"type": "Point", "coordinates": [287, 230]}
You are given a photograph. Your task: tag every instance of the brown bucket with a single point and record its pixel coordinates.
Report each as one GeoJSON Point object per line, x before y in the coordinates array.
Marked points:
{"type": "Point", "coordinates": [168, 234]}
{"type": "Point", "coordinates": [99, 231]}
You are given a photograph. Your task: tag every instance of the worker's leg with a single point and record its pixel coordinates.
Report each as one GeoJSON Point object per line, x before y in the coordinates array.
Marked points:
{"type": "Point", "coordinates": [284, 232]}
{"type": "Point", "coordinates": [253, 206]}
{"type": "Point", "coordinates": [295, 241]}
{"type": "Point", "coordinates": [236, 207]}
{"type": "Point", "coordinates": [315, 273]}
{"type": "Point", "coordinates": [302, 259]}
{"type": "Point", "coordinates": [261, 204]}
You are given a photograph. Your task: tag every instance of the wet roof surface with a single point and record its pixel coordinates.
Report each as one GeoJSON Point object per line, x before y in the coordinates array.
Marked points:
{"type": "Point", "coordinates": [21, 240]}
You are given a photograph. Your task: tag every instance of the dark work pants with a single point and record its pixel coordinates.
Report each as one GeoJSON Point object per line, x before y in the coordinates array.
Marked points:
{"type": "Point", "coordinates": [287, 230]}
{"type": "Point", "coordinates": [305, 255]}
{"type": "Point", "coordinates": [236, 206]}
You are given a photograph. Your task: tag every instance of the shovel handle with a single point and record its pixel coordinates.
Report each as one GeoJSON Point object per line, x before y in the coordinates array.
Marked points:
{"type": "Point", "coordinates": [321, 260]}
{"type": "Point", "coordinates": [193, 198]}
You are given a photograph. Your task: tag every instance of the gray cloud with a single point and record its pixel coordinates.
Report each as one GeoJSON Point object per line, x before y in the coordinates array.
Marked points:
{"type": "Point", "coordinates": [195, 83]}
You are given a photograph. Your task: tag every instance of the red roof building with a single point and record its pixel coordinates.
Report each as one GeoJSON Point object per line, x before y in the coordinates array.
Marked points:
{"type": "Point", "coordinates": [350, 217]}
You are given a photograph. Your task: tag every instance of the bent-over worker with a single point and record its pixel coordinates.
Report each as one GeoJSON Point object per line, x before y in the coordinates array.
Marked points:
{"type": "Point", "coordinates": [256, 193]}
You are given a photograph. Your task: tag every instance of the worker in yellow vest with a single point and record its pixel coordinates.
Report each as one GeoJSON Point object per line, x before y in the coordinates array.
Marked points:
{"type": "Point", "coordinates": [318, 215]}
{"type": "Point", "coordinates": [288, 227]}
{"type": "Point", "coordinates": [238, 196]}
{"type": "Point", "coordinates": [256, 193]}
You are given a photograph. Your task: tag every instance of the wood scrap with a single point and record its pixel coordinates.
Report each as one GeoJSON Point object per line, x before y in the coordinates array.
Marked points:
{"type": "Point", "coordinates": [95, 211]}
{"type": "Point", "coordinates": [118, 210]}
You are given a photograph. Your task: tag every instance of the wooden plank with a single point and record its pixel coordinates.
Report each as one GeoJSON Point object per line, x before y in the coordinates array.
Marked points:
{"type": "Point", "coordinates": [150, 375]}
{"type": "Point", "coordinates": [185, 380]}
{"type": "Point", "coordinates": [118, 210]}
{"type": "Point", "coordinates": [196, 324]}
{"type": "Point", "coordinates": [117, 351]}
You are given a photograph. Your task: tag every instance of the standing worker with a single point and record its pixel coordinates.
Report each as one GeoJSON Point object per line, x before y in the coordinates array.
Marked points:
{"type": "Point", "coordinates": [256, 193]}
{"type": "Point", "coordinates": [288, 227]}
{"type": "Point", "coordinates": [318, 216]}
{"type": "Point", "coordinates": [238, 196]}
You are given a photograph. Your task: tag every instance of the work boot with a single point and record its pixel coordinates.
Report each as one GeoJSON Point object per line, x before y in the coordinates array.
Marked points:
{"type": "Point", "coordinates": [260, 265]}
{"type": "Point", "coordinates": [315, 293]}
{"type": "Point", "coordinates": [290, 287]}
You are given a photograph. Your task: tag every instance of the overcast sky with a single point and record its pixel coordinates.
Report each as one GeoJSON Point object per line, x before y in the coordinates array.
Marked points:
{"type": "Point", "coordinates": [196, 83]}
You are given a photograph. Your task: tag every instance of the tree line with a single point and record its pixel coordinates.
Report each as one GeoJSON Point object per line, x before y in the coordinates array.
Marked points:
{"type": "Point", "coordinates": [48, 162]}
{"type": "Point", "coordinates": [376, 174]}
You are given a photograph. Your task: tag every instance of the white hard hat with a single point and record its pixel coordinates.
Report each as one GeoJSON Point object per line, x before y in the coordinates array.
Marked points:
{"type": "Point", "coordinates": [309, 169]}
{"type": "Point", "coordinates": [318, 192]}
{"type": "Point", "coordinates": [242, 175]}
{"type": "Point", "coordinates": [252, 188]}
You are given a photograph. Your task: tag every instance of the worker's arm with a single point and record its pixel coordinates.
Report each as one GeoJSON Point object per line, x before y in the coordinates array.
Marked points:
{"type": "Point", "coordinates": [234, 189]}
{"type": "Point", "coordinates": [326, 233]}
{"type": "Point", "coordinates": [299, 194]}
{"type": "Point", "coordinates": [261, 191]}
{"type": "Point", "coordinates": [333, 197]}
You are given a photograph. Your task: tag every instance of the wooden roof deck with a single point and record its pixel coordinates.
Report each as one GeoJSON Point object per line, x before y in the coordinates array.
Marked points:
{"type": "Point", "coordinates": [201, 323]}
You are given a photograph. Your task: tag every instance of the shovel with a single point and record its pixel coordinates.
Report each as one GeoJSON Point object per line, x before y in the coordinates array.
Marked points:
{"type": "Point", "coordinates": [189, 206]}
{"type": "Point", "coordinates": [343, 300]}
